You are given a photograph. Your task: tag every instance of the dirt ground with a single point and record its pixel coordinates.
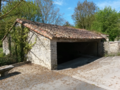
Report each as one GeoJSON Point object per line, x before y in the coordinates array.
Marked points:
{"type": "Point", "coordinates": [102, 74]}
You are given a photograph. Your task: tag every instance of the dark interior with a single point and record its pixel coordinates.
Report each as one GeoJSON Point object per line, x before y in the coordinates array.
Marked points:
{"type": "Point", "coordinates": [67, 51]}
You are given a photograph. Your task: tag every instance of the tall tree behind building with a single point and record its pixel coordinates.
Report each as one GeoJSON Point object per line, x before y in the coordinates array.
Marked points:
{"type": "Point", "coordinates": [50, 14]}
{"type": "Point", "coordinates": [84, 14]}
{"type": "Point", "coordinates": [107, 21]}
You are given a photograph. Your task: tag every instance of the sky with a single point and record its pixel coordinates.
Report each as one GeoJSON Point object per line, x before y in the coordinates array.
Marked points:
{"type": "Point", "coordinates": [67, 6]}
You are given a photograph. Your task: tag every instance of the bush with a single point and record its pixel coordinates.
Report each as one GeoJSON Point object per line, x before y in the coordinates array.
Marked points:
{"type": "Point", "coordinates": [7, 60]}
{"type": "Point", "coordinates": [0, 43]}
{"type": "Point", "coordinates": [2, 55]}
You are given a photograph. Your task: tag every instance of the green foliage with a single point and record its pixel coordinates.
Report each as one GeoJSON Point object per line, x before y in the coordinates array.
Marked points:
{"type": "Point", "coordinates": [2, 29]}
{"type": "Point", "coordinates": [20, 46]}
{"type": "Point", "coordinates": [0, 44]}
{"type": "Point", "coordinates": [2, 16]}
{"type": "Point", "coordinates": [112, 55]}
{"type": "Point", "coordinates": [84, 14]}
{"type": "Point", "coordinates": [23, 11]}
{"type": "Point", "coordinates": [1, 53]}
{"type": "Point", "coordinates": [1, 50]}
{"type": "Point", "coordinates": [106, 21]}
{"type": "Point", "coordinates": [67, 24]}
{"type": "Point", "coordinates": [6, 60]}
{"type": "Point", "coordinates": [27, 9]}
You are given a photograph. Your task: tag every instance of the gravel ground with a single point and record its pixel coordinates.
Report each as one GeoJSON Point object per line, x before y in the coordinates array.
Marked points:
{"type": "Point", "coordinates": [35, 77]}
{"type": "Point", "coordinates": [104, 72]}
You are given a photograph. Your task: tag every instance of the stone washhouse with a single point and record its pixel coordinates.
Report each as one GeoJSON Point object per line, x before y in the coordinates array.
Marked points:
{"type": "Point", "coordinates": [58, 44]}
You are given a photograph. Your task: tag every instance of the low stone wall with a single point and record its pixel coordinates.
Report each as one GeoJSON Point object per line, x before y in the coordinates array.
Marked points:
{"type": "Point", "coordinates": [112, 47]}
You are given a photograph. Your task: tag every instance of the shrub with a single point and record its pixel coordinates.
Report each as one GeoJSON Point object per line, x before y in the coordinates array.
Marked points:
{"type": "Point", "coordinates": [0, 43]}
{"type": "Point", "coordinates": [7, 60]}
{"type": "Point", "coordinates": [2, 55]}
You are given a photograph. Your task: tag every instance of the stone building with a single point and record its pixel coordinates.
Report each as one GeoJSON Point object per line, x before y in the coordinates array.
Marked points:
{"type": "Point", "coordinates": [58, 44]}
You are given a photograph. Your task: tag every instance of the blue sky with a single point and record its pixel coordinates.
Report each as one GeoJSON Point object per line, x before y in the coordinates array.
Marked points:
{"type": "Point", "coordinates": [67, 6]}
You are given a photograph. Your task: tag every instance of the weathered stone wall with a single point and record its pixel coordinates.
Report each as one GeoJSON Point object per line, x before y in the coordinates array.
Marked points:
{"type": "Point", "coordinates": [101, 48]}
{"type": "Point", "coordinates": [53, 54]}
{"type": "Point", "coordinates": [112, 47]}
{"type": "Point", "coordinates": [5, 46]}
{"type": "Point", "coordinates": [41, 51]}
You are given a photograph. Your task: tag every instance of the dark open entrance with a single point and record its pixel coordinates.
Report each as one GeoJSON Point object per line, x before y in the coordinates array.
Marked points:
{"type": "Point", "coordinates": [67, 51]}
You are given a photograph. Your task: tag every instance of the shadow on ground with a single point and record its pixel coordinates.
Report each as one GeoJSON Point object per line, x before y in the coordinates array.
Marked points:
{"type": "Point", "coordinates": [10, 75]}
{"type": "Point", "coordinates": [77, 62]}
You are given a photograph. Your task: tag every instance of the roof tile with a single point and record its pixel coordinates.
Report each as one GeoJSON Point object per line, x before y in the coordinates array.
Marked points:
{"type": "Point", "coordinates": [55, 31]}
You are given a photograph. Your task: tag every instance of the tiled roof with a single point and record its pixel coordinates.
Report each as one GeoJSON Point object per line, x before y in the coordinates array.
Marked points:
{"type": "Point", "coordinates": [55, 31]}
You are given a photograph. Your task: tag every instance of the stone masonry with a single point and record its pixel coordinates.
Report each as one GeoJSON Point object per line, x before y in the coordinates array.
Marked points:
{"type": "Point", "coordinates": [112, 48]}
{"type": "Point", "coordinates": [5, 45]}
{"type": "Point", "coordinates": [43, 52]}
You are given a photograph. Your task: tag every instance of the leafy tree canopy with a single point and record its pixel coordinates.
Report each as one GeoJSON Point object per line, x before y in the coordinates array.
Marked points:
{"type": "Point", "coordinates": [107, 21]}
{"type": "Point", "coordinates": [84, 14]}
{"type": "Point", "coordinates": [67, 24]}
{"type": "Point", "coordinates": [26, 9]}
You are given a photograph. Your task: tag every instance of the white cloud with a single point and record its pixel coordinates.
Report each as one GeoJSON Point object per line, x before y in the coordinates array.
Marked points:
{"type": "Point", "coordinates": [58, 2]}
{"type": "Point", "coordinates": [115, 4]}
{"type": "Point", "coordinates": [69, 8]}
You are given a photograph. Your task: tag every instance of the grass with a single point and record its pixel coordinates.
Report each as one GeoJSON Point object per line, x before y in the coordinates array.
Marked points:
{"type": "Point", "coordinates": [112, 55]}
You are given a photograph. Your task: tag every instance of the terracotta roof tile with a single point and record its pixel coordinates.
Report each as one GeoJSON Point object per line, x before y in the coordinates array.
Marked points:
{"type": "Point", "coordinates": [55, 31]}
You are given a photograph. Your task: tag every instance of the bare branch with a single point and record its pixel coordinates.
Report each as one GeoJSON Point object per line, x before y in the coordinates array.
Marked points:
{"type": "Point", "coordinates": [3, 16]}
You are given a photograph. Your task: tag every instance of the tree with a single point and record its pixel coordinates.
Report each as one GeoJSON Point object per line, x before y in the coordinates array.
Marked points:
{"type": "Point", "coordinates": [50, 15]}
{"type": "Point", "coordinates": [4, 15]}
{"type": "Point", "coordinates": [2, 24]}
{"type": "Point", "coordinates": [20, 46]}
{"type": "Point", "coordinates": [84, 14]}
{"type": "Point", "coordinates": [1, 3]}
{"type": "Point", "coordinates": [67, 24]}
{"type": "Point", "coordinates": [27, 10]}
{"type": "Point", "coordinates": [24, 11]}
{"type": "Point", "coordinates": [107, 21]}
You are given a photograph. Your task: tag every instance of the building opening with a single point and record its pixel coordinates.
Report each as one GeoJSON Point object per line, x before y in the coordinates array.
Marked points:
{"type": "Point", "coordinates": [69, 51]}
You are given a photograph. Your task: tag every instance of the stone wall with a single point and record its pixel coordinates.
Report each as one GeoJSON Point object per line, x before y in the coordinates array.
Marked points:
{"type": "Point", "coordinates": [53, 54]}
{"type": "Point", "coordinates": [5, 45]}
{"type": "Point", "coordinates": [112, 47]}
{"type": "Point", "coordinates": [41, 51]}
{"type": "Point", "coordinates": [101, 48]}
